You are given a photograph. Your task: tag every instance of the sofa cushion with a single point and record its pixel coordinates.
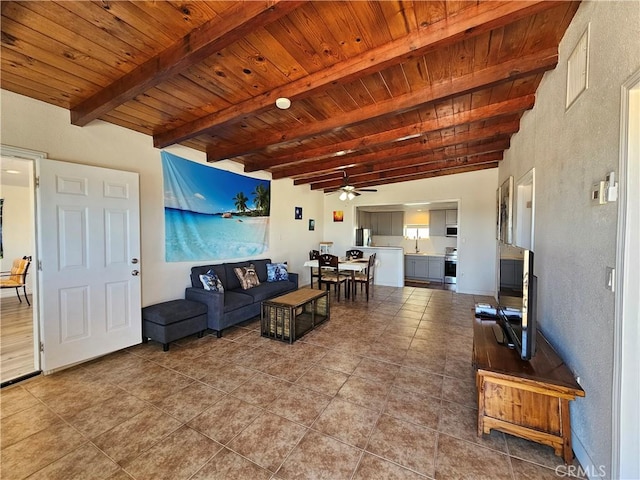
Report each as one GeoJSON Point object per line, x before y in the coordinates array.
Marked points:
{"type": "Point", "coordinates": [277, 272]}
{"type": "Point", "coordinates": [173, 311]}
{"type": "Point", "coordinates": [247, 276]}
{"type": "Point", "coordinates": [203, 269]}
{"type": "Point", "coordinates": [268, 290]}
{"type": "Point", "coordinates": [236, 299]}
{"type": "Point", "coordinates": [210, 281]}
{"type": "Point", "coordinates": [232, 282]}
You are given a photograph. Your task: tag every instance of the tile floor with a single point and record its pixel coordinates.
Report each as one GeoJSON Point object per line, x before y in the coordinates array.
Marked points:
{"type": "Point", "coordinates": [384, 390]}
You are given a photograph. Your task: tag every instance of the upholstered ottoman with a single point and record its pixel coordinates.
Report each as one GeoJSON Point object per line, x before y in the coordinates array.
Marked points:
{"type": "Point", "coordinates": [169, 321]}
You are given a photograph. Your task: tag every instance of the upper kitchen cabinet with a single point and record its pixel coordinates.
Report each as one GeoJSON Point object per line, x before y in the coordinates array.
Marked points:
{"type": "Point", "coordinates": [387, 223]}
{"type": "Point", "coordinates": [439, 220]}
{"type": "Point", "coordinates": [364, 219]}
{"type": "Point", "coordinates": [437, 223]}
{"type": "Point", "coordinates": [397, 223]}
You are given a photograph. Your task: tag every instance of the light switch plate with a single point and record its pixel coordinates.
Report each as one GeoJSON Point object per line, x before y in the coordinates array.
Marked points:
{"type": "Point", "coordinates": [598, 194]}
{"type": "Point", "coordinates": [611, 278]}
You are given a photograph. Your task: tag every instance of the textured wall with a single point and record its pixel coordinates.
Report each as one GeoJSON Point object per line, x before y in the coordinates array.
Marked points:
{"type": "Point", "coordinates": [476, 196]}
{"type": "Point", "coordinates": [575, 241]}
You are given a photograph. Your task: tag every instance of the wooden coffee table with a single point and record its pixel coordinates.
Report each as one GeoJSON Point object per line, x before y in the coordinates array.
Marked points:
{"type": "Point", "coordinates": [290, 316]}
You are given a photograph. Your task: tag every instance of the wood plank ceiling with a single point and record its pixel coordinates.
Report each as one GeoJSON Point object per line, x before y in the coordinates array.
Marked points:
{"type": "Point", "coordinates": [386, 91]}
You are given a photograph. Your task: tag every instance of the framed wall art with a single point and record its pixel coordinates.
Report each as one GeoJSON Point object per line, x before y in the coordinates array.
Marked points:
{"type": "Point", "coordinates": [506, 211]}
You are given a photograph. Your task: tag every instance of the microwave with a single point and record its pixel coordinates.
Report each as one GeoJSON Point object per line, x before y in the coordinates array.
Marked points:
{"type": "Point", "coordinates": [452, 231]}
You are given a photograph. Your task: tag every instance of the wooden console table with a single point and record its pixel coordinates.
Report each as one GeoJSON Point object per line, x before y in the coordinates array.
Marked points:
{"type": "Point", "coordinates": [529, 399]}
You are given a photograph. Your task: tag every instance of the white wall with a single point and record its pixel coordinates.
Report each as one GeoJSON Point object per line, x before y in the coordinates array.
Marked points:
{"type": "Point", "coordinates": [35, 125]}
{"type": "Point", "coordinates": [476, 194]}
{"type": "Point", "coordinates": [17, 231]}
{"type": "Point", "coordinates": [38, 126]}
{"type": "Point", "coordinates": [575, 241]}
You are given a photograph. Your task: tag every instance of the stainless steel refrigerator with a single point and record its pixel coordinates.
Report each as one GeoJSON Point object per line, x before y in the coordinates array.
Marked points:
{"type": "Point", "coordinates": [363, 237]}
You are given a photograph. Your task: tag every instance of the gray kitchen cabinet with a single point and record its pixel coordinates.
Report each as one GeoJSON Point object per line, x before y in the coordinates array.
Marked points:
{"type": "Point", "coordinates": [416, 267]}
{"type": "Point", "coordinates": [451, 217]}
{"type": "Point", "coordinates": [384, 223]}
{"type": "Point", "coordinates": [436, 269]}
{"type": "Point", "coordinates": [397, 224]}
{"type": "Point", "coordinates": [365, 220]}
{"type": "Point", "coordinates": [387, 223]}
{"type": "Point", "coordinates": [437, 219]}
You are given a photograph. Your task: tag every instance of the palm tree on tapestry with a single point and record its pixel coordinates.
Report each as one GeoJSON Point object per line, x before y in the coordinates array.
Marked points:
{"type": "Point", "coordinates": [262, 199]}
{"type": "Point", "coordinates": [240, 201]}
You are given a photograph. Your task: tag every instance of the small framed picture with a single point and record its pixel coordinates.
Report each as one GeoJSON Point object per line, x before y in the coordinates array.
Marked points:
{"type": "Point", "coordinates": [312, 224]}
{"type": "Point", "coordinates": [298, 213]}
{"type": "Point", "coordinates": [338, 216]}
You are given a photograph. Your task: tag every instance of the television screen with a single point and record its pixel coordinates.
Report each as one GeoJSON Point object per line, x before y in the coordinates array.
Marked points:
{"type": "Point", "coordinates": [517, 298]}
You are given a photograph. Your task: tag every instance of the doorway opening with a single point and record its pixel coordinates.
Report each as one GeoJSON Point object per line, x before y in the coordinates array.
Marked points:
{"type": "Point", "coordinates": [18, 327]}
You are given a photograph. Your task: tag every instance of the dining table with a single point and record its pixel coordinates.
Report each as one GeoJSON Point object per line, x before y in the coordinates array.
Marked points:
{"type": "Point", "coordinates": [352, 266]}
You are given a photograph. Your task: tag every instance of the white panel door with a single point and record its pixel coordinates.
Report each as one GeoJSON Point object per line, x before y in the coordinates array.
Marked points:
{"type": "Point", "coordinates": [89, 247]}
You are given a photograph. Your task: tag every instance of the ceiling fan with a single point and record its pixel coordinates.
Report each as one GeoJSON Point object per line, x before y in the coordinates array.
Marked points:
{"type": "Point", "coordinates": [349, 192]}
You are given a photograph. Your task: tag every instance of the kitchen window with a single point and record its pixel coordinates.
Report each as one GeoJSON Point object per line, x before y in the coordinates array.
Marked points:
{"type": "Point", "coordinates": [416, 231]}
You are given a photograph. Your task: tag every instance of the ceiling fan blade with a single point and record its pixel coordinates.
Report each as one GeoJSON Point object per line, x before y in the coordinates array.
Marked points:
{"type": "Point", "coordinates": [366, 189]}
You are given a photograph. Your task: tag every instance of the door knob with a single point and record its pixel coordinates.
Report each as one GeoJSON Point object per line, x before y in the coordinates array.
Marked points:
{"type": "Point", "coordinates": [134, 260]}
{"type": "Point", "coordinates": [135, 273]}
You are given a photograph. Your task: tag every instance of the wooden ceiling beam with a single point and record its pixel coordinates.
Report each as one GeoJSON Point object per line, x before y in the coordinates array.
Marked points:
{"type": "Point", "coordinates": [238, 21]}
{"type": "Point", "coordinates": [494, 132]}
{"type": "Point", "coordinates": [371, 179]}
{"type": "Point", "coordinates": [451, 87]}
{"type": "Point", "coordinates": [470, 22]}
{"type": "Point", "coordinates": [487, 112]}
{"type": "Point", "coordinates": [440, 173]}
{"type": "Point", "coordinates": [417, 160]}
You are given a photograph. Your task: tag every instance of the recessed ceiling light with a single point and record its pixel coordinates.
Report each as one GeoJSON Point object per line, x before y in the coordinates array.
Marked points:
{"type": "Point", "coordinates": [283, 103]}
{"type": "Point", "coordinates": [13, 172]}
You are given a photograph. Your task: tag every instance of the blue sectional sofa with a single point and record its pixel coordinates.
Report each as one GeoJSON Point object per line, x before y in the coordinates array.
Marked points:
{"type": "Point", "coordinates": [235, 305]}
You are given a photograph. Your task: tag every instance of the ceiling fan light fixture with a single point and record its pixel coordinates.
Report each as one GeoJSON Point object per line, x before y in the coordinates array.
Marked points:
{"type": "Point", "coordinates": [351, 195]}
{"type": "Point", "coordinates": [283, 103]}
{"type": "Point", "coordinates": [343, 196]}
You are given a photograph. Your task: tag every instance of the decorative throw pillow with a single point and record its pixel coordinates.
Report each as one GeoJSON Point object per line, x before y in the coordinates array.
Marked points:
{"type": "Point", "coordinates": [277, 272]}
{"type": "Point", "coordinates": [247, 276]}
{"type": "Point", "coordinates": [211, 281]}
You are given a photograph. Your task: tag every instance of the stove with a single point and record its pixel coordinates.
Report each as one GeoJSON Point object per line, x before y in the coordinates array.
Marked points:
{"type": "Point", "coordinates": [450, 265]}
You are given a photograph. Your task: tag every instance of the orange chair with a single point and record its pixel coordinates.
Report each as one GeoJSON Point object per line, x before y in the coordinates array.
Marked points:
{"type": "Point", "coordinates": [17, 277]}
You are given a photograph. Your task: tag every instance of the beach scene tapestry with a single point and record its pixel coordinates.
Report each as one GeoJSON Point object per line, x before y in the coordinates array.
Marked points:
{"type": "Point", "coordinates": [212, 214]}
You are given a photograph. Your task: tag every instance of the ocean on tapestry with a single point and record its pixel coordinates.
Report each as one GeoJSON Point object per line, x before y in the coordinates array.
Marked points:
{"type": "Point", "coordinates": [212, 214]}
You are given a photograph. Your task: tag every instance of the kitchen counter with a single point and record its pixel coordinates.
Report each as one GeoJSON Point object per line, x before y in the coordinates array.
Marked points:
{"type": "Point", "coordinates": [420, 254]}
{"type": "Point", "coordinates": [389, 265]}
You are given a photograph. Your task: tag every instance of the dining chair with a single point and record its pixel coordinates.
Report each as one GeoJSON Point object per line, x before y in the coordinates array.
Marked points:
{"type": "Point", "coordinates": [17, 277]}
{"type": "Point", "coordinates": [366, 278]}
{"type": "Point", "coordinates": [330, 275]}
{"type": "Point", "coordinates": [315, 271]}
{"type": "Point", "coordinates": [355, 253]}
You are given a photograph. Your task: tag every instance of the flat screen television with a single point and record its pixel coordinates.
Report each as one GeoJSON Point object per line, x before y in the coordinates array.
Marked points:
{"type": "Point", "coordinates": [517, 298]}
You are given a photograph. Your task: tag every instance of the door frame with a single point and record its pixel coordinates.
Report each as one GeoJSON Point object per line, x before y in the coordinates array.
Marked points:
{"type": "Point", "coordinates": [626, 389]}
{"type": "Point", "coordinates": [32, 156]}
